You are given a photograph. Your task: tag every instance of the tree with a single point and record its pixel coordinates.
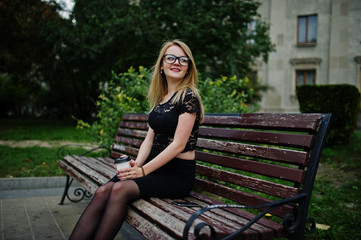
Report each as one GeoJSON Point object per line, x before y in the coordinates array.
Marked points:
{"type": "Point", "coordinates": [217, 31]}
{"type": "Point", "coordinates": [88, 47]}
{"type": "Point", "coordinates": [102, 36]}
{"type": "Point", "coordinates": [113, 35]}
{"type": "Point", "coordinates": [24, 53]}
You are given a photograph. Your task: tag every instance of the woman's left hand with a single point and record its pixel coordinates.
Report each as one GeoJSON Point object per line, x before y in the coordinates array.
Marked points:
{"type": "Point", "coordinates": [129, 173]}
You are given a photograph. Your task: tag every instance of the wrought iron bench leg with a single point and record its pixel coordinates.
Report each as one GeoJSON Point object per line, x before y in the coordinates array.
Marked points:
{"type": "Point", "coordinates": [66, 189]}
{"type": "Point", "coordinates": [79, 192]}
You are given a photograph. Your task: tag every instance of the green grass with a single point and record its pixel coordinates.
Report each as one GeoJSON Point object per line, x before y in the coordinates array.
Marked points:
{"type": "Point", "coordinates": [28, 162]}
{"type": "Point", "coordinates": [338, 208]}
{"type": "Point", "coordinates": [41, 129]}
{"type": "Point", "coordinates": [346, 157]}
{"type": "Point", "coordinates": [336, 200]}
{"type": "Point", "coordinates": [36, 161]}
{"type": "Point", "coordinates": [33, 161]}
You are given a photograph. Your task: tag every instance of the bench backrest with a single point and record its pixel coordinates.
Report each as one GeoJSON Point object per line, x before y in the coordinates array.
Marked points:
{"type": "Point", "coordinates": [247, 158]}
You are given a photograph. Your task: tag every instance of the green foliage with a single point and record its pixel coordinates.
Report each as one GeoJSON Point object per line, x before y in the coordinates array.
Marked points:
{"type": "Point", "coordinates": [65, 60]}
{"type": "Point", "coordinates": [125, 92]}
{"type": "Point", "coordinates": [110, 35]}
{"type": "Point", "coordinates": [25, 55]}
{"type": "Point", "coordinates": [342, 100]}
{"type": "Point", "coordinates": [12, 95]}
{"type": "Point", "coordinates": [225, 94]}
{"type": "Point", "coordinates": [216, 31]}
{"type": "Point", "coordinates": [22, 47]}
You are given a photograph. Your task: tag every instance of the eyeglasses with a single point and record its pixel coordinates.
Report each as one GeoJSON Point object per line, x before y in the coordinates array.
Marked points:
{"type": "Point", "coordinates": [170, 59]}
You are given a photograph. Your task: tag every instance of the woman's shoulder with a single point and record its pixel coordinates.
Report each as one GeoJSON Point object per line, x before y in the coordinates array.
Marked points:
{"type": "Point", "coordinates": [190, 96]}
{"type": "Point", "coordinates": [187, 95]}
{"type": "Point", "coordinates": [190, 92]}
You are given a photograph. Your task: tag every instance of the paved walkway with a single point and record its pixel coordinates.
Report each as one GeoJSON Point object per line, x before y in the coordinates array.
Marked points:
{"type": "Point", "coordinates": [33, 212]}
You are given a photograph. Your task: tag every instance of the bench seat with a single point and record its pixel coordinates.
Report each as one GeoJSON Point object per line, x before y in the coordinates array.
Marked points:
{"type": "Point", "coordinates": [242, 160]}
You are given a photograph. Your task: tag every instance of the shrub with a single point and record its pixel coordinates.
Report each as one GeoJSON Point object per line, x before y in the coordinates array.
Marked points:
{"type": "Point", "coordinates": [126, 92]}
{"type": "Point", "coordinates": [12, 95]}
{"type": "Point", "coordinates": [342, 100]}
{"type": "Point", "coordinates": [225, 95]}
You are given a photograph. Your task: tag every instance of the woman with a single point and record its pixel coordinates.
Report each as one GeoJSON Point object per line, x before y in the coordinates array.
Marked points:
{"type": "Point", "coordinates": [165, 165]}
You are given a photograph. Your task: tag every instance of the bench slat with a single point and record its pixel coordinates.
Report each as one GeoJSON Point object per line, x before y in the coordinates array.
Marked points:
{"type": "Point", "coordinates": [276, 154]}
{"type": "Point", "coordinates": [182, 214]}
{"type": "Point", "coordinates": [166, 222]}
{"type": "Point", "coordinates": [99, 166]}
{"type": "Point", "coordinates": [82, 179]}
{"type": "Point", "coordinates": [270, 170]}
{"type": "Point", "coordinates": [145, 227]}
{"type": "Point", "coordinates": [301, 122]}
{"type": "Point", "coordinates": [104, 170]}
{"type": "Point", "coordinates": [238, 221]}
{"type": "Point", "coordinates": [99, 179]}
{"type": "Point", "coordinates": [135, 117]}
{"type": "Point", "coordinates": [277, 228]}
{"type": "Point", "coordinates": [223, 225]}
{"type": "Point", "coordinates": [271, 188]}
{"type": "Point", "coordinates": [237, 195]}
{"type": "Point", "coordinates": [122, 149]}
{"type": "Point", "coordinates": [128, 141]}
{"type": "Point", "coordinates": [134, 125]}
{"type": "Point", "coordinates": [273, 138]}
{"type": "Point", "coordinates": [295, 122]}
{"type": "Point", "coordinates": [229, 221]}
{"type": "Point", "coordinates": [107, 161]}
{"type": "Point", "coordinates": [132, 133]}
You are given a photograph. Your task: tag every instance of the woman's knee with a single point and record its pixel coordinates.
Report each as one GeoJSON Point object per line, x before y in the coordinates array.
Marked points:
{"type": "Point", "coordinates": [125, 189]}
{"type": "Point", "coordinates": [103, 191]}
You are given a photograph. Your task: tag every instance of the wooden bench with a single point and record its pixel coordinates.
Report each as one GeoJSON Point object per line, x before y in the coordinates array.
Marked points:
{"type": "Point", "coordinates": [255, 174]}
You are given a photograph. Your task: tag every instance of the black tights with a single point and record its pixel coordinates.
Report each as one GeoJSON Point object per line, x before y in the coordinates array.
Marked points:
{"type": "Point", "coordinates": [106, 212]}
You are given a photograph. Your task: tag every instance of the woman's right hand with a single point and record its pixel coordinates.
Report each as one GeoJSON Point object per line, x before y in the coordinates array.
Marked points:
{"type": "Point", "coordinates": [129, 173]}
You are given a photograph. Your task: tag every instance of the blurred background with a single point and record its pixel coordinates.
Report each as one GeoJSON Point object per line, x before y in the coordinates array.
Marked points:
{"type": "Point", "coordinates": [69, 70]}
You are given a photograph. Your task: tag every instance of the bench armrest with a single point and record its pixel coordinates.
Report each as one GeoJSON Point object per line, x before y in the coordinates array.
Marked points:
{"type": "Point", "coordinates": [64, 150]}
{"type": "Point", "coordinates": [290, 222]}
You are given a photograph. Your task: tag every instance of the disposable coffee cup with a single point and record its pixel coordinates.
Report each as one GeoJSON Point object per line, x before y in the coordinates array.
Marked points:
{"type": "Point", "coordinates": [122, 162]}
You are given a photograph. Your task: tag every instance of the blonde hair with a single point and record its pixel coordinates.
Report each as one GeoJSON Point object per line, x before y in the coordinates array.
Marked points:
{"type": "Point", "coordinates": [158, 87]}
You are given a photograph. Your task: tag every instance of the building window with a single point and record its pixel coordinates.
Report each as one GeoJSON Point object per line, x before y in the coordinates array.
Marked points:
{"type": "Point", "coordinates": [305, 77]}
{"type": "Point", "coordinates": [251, 32]}
{"type": "Point", "coordinates": [307, 29]}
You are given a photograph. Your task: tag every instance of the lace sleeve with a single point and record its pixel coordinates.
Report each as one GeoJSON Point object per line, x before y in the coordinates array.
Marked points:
{"type": "Point", "coordinates": [190, 103]}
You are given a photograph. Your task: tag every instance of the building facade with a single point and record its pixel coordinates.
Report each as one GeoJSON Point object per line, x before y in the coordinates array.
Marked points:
{"type": "Point", "coordinates": [317, 42]}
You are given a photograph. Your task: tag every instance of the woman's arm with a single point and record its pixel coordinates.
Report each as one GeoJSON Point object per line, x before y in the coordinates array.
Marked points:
{"type": "Point", "coordinates": [145, 148]}
{"type": "Point", "coordinates": [181, 136]}
{"type": "Point", "coordinates": [136, 171]}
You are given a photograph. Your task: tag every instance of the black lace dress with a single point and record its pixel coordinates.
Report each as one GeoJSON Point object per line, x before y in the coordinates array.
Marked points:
{"type": "Point", "coordinates": [176, 178]}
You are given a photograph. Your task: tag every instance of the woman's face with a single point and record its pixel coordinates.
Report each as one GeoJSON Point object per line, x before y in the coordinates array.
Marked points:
{"type": "Point", "coordinates": [177, 70]}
